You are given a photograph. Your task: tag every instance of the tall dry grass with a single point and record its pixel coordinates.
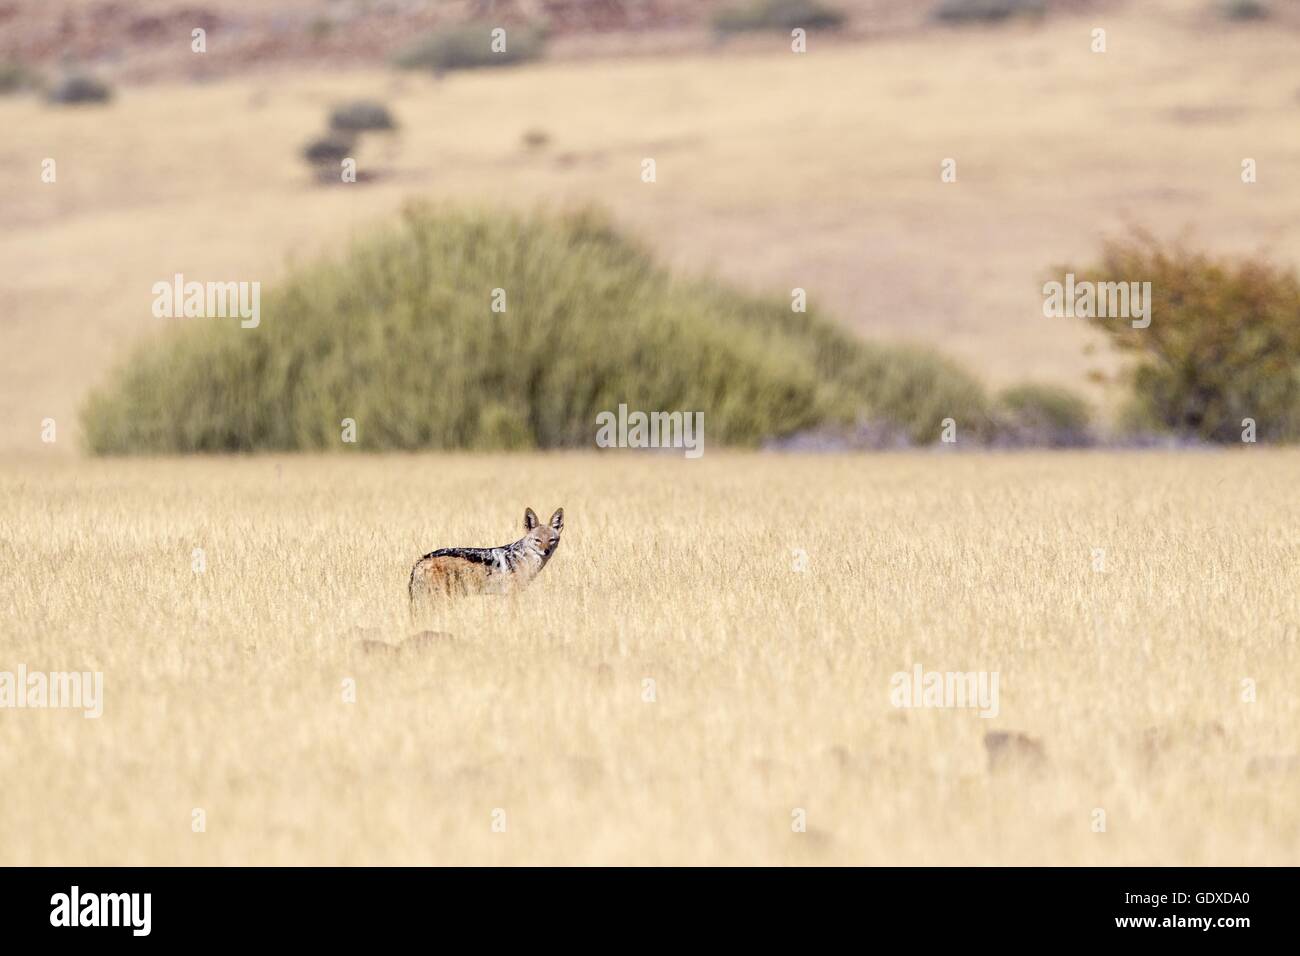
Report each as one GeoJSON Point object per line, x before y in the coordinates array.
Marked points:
{"type": "Point", "coordinates": [223, 690]}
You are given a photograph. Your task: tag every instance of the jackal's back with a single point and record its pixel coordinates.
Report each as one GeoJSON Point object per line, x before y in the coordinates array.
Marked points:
{"type": "Point", "coordinates": [452, 571]}
{"type": "Point", "coordinates": [449, 571]}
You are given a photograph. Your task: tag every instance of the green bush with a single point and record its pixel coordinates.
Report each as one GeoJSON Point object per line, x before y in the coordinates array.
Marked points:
{"type": "Point", "coordinates": [1043, 415]}
{"type": "Point", "coordinates": [401, 337]}
{"type": "Point", "coordinates": [329, 149]}
{"type": "Point", "coordinates": [362, 116]}
{"type": "Point", "coordinates": [15, 77]}
{"type": "Point", "coordinates": [469, 47]}
{"type": "Point", "coordinates": [986, 11]}
{"type": "Point", "coordinates": [777, 15]}
{"type": "Point", "coordinates": [1223, 343]}
{"type": "Point", "coordinates": [325, 153]}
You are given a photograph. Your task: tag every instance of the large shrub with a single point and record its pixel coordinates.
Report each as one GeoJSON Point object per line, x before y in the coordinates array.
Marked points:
{"type": "Point", "coordinates": [469, 46]}
{"type": "Point", "coordinates": [400, 336]}
{"type": "Point", "coordinates": [1223, 344]}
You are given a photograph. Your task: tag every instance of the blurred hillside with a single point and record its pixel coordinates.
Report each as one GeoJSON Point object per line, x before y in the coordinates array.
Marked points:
{"type": "Point", "coordinates": [136, 40]}
{"type": "Point", "coordinates": [818, 171]}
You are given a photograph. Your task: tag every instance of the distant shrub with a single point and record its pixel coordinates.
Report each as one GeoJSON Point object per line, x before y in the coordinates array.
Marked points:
{"type": "Point", "coordinates": [1043, 415]}
{"type": "Point", "coordinates": [1138, 420]}
{"type": "Point", "coordinates": [1243, 9]}
{"type": "Point", "coordinates": [15, 77]}
{"type": "Point", "coordinates": [75, 88]}
{"type": "Point", "coordinates": [914, 389]}
{"type": "Point", "coordinates": [1223, 344]}
{"type": "Point", "coordinates": [329, 149]}
{"type": "Point", "coordinates": [400, 336]}
{"type": "Point", "coordinates": [987, 11]}
{"type": "Point", "coordinates": [361, 116]}
{"type": "Point", "coordinates": [777, 15]}
{"type": "Point", "coordinates": [536, 138]}
{"type": "Point", "coordinates": [469, 47]}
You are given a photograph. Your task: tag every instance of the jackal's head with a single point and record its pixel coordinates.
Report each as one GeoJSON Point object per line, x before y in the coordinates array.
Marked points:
{"type": "Point", "coordinates": [544, 538]}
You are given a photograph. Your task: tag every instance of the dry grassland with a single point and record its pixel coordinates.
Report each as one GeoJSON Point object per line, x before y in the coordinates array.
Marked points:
{"type": "Point", "coordinates": [224, 690]}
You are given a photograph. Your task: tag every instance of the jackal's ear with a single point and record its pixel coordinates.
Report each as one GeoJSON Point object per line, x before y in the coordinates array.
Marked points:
{"type": "Point", "coordinates": [557, 520]}
{"type": "Point", "coordinates": [530, 519]}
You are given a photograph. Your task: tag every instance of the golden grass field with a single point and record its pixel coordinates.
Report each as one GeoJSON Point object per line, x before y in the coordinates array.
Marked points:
{"type": "Point", "coordinates": [774, 170]}
{"type": "Point", "coordinates": [223, 690]}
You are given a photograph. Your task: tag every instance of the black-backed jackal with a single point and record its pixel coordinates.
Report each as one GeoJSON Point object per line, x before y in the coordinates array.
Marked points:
{"type": "Point", "coordinates": [452, 571]}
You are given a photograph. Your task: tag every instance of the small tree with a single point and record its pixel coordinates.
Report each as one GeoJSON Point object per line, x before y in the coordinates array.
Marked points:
{"type": "Point", "coordinates": [1223, 343]}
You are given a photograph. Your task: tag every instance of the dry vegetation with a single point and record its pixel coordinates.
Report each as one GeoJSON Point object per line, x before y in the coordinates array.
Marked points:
{"type": "Point", "coordinates": [223, 690]}
{"type": "Point", "coordinates": [819, 171]}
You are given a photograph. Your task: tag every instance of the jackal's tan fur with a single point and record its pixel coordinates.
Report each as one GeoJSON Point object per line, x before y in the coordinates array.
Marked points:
{"type": "Point", "coordinates": [510, 567]}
